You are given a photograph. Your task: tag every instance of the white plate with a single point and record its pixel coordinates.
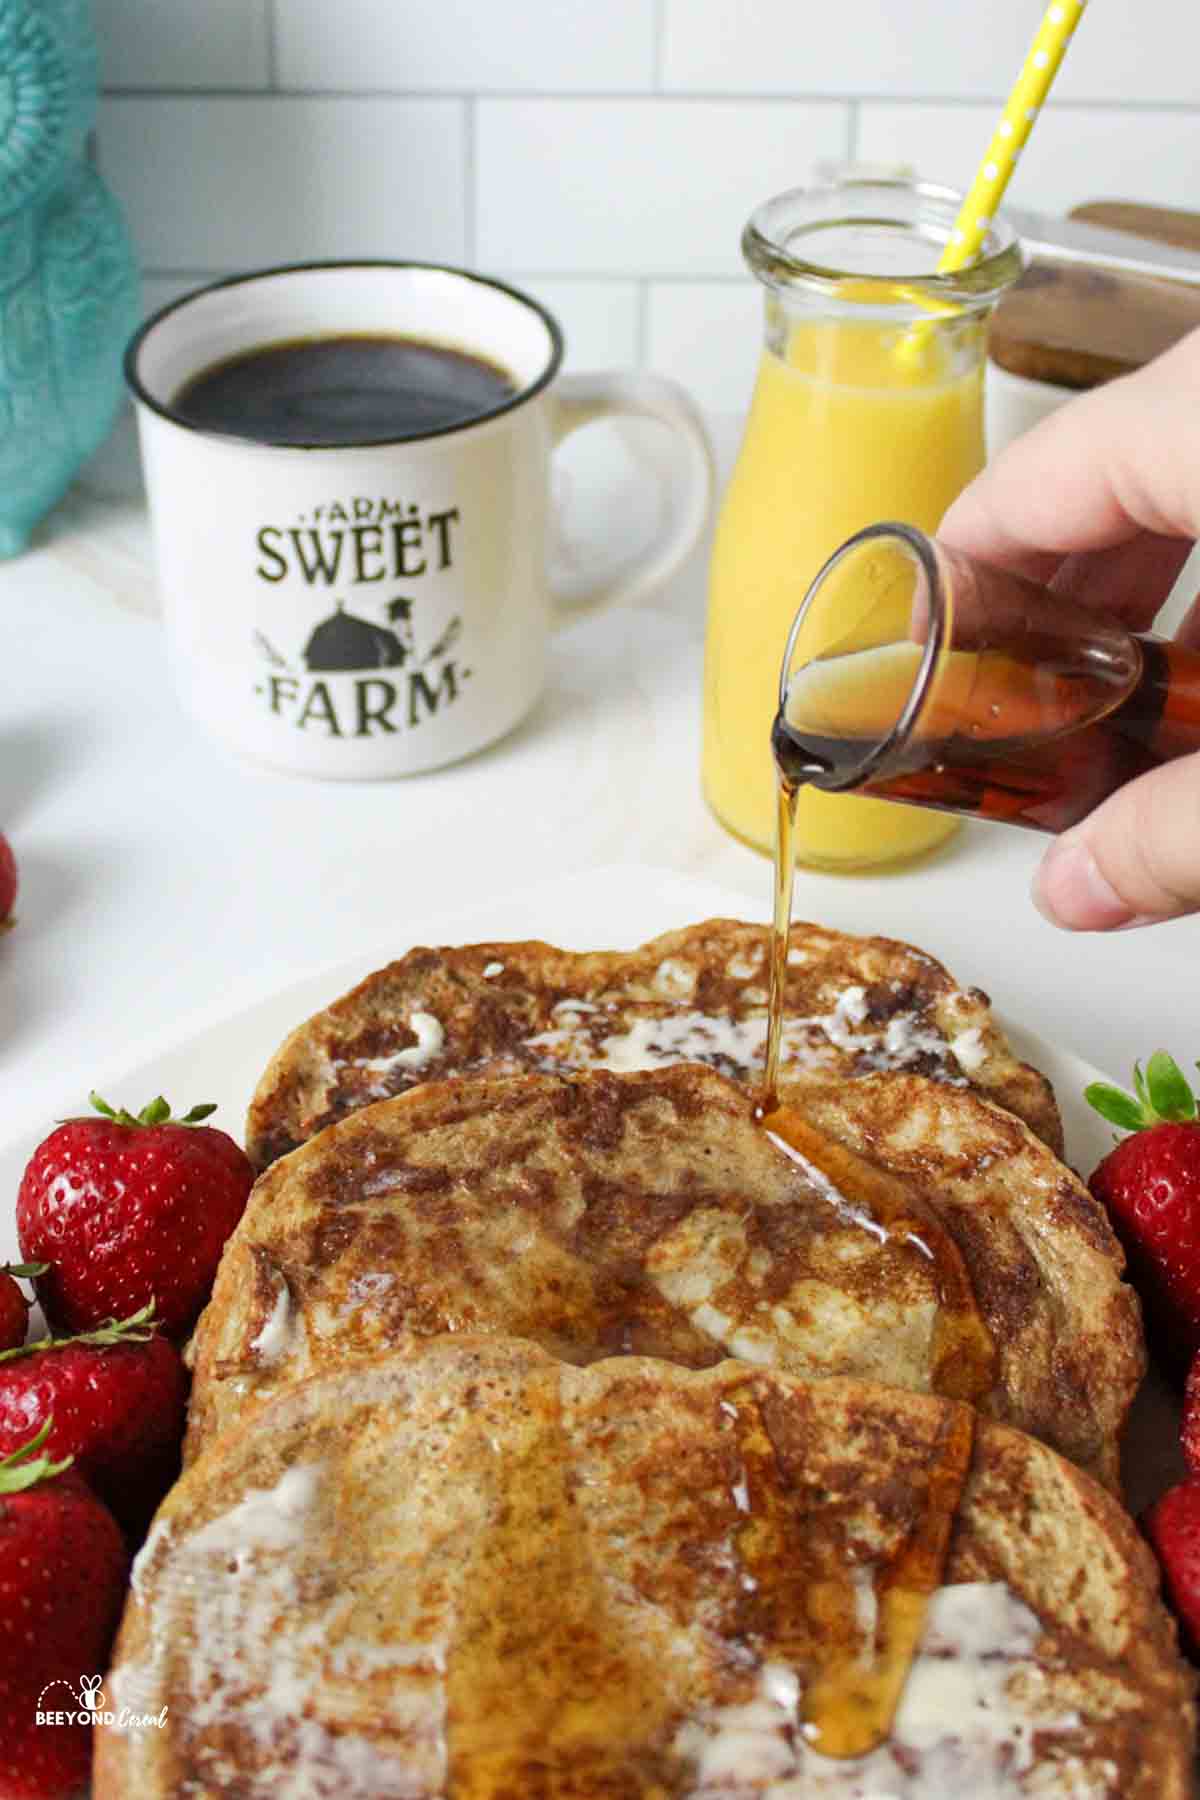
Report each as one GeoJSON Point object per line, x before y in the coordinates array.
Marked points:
{"type": "Point", "coordinates": [221, 1058]}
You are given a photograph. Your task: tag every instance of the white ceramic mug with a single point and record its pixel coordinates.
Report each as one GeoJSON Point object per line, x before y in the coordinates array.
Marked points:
{"type": "Point", "coordinates": [1014, 404]}
{"type": "Point", "coordinates": [366, 610]}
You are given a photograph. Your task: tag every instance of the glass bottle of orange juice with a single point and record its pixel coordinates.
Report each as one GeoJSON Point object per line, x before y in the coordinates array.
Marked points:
{"type": "Point", "coordinates": [868, 406]}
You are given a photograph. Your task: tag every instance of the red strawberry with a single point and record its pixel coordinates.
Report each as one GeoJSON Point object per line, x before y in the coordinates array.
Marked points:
{"type": "Point", "coordinates": [129, 1210]}
{"type": "Point", "coordinates": [14, 1307]}
{"type": "Point", "coordinates": [117, 1397]}
{"type": "Point", "coordinates": [1150, 1184]}
{"type": "Point", "coordinates": [63, 1567]}
{"type": "Point", "coordinates": [8, 881]}
{"type": "Point", "coordinates": [1173, 1526]}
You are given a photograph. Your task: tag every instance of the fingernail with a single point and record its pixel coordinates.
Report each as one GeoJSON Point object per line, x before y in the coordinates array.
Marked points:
{"type": "Point", "coordinates": [1070, 890]}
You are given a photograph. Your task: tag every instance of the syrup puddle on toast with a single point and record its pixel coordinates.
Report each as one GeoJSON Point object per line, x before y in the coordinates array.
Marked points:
{"type": "Point", "coordinates": [853, 1627]}
{"type": "Point", "coordinates": [964, 1355]}
{"type": "Point", "coordinates": [850, 1701]}
{"type": "Point", "coordinates": [869, 1638]}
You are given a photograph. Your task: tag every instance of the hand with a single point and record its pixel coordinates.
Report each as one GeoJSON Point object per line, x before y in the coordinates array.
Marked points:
{"type": "Point", "coordinates": [1101, 502]}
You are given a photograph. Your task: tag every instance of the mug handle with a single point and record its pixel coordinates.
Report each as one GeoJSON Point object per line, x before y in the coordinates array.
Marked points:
{"type": "Point", "coordinates": [578, 400]}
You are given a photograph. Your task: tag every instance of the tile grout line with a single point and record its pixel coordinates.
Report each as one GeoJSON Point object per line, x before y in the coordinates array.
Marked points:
{"type": "Point", "coordinates": [609, 96]}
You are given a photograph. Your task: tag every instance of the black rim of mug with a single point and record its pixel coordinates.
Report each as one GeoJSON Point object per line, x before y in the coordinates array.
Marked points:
{"type": "Point", "coordinates": [166, 411]}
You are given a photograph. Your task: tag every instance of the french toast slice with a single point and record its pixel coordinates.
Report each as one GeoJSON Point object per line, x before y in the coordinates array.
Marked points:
{"type": "Point", "coordinates": [650, 1213]}
{"type": "Point", "coordinates": [474, 1572]}
{"type": "Point", "coordinates": [853, 1006]}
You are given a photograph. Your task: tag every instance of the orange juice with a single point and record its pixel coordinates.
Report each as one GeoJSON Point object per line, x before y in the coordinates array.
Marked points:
{"type": "Point", "coordinates": [852, 420]}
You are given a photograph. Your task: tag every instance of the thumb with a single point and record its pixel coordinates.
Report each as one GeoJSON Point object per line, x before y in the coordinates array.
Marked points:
{"type": "Point", "coordinates": [1134, 861]}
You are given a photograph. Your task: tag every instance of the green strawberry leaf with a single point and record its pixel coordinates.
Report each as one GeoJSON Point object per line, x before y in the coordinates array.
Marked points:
{"type": "Point", "coordinates": [138, 1328]}
{"type": "Point", "coordinates": [1170, 1095]}
{"type": "Point", "coordinates": [155, 1112]}
{"type": "Point", "coordinates": [24, 1271]}
{"type": "Point", "coordinates": [22, 1469]}
{"type": "Point", "coordinates": [1112, 1104]}
{"type": "Point", "coordinates": [1162, 1095]}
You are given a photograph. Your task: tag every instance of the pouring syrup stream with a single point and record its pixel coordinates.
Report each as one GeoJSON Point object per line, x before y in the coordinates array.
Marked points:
{"type": "Point", "coordinates": [851, 1696]}
{"type": "Point", "coordinates": [786, 795]}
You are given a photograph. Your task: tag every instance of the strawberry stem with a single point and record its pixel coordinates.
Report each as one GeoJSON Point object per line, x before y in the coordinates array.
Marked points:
{"type": "Point", "coordinates": [1160, 1095]}
{"type": "Point", "coordinates": [155, 1112]}
{"type": "Point", "coordinates": [138, 1328]}
{"type": "Point", "coordinates": [23, 1468]}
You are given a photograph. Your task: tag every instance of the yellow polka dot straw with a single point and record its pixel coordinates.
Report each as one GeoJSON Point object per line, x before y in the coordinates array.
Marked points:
{"type": "Point", "coordinates": [986, 191]}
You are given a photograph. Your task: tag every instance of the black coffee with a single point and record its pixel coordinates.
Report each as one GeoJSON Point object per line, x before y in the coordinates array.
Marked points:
{"type": "Point", "coordinates": [343, 390]}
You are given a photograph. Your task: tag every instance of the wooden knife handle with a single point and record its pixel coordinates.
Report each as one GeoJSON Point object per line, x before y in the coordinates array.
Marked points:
{"type": "Point", "coordinates": [1159, 222]}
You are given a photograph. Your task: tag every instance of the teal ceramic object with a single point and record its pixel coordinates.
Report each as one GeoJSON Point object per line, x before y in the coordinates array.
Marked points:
{"type": "Point", "coordinates": [69, 292]}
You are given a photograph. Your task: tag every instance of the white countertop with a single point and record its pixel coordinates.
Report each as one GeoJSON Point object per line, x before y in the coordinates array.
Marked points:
{"type": "Point", "coordinates": [163, 882]}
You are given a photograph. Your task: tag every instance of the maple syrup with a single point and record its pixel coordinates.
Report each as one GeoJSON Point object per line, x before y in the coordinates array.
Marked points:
{"type": "Point", "coordinates": [849, 1705]}
{"type": "Point", "coordinates": [853, 1627]}
{"type": "Point", "coordinates": [542, 1684]}
{"type": "Point", "coordinates": [857, 1674]}
{"type": "Point", "coordinates": [850, 1699]}
{"type": "Point", "coordinates": [971, 691]}
{"type": "Point", "coordinates": [1080, 743]}
{"type": "Point", "coordinates": [968, 689]}
{"type": "Point", "coordinates": [781, 925]}
{"type": "Point", "coordinates": [964, 1355]}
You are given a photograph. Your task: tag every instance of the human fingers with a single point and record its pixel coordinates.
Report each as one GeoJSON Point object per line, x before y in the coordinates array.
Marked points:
{"type": "Point", "coordinates": [1129, 582]}
{"type": "Point", "coordinates": [1120, 460]}
{"type": "Point", "coordinates": [1189, 627]}
{"type": "Point", "coordinates": [1134, 861]}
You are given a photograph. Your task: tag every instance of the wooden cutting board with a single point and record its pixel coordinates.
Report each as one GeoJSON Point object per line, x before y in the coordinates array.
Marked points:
{"type": "Point", "coordinates": [1076, 327]}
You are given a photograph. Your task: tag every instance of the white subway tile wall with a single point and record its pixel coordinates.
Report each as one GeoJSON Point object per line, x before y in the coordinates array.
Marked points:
{"type": "Point", "coordinates": [464, 46]}
{"type": "Point", "coordinates": [650, 187]}
{"type": "Point", "coordinates": [602, 319]}
{"type": "Point", "coordinates": [233, 182]}
{"type": "Point", "coordinates": [922, 49]}
{"type": "Point", "coordinates": [1076, 153]}
{"type": "Point", "coordinates": [155, 44]}
{"type": "Point", "coordinates": [604, 156]}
